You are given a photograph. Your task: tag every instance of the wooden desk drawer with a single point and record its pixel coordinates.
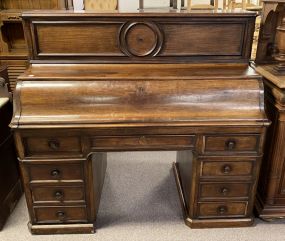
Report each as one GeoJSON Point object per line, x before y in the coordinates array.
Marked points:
{"type": "Point", "coordinates": [58, 194]}
{"type": "Point", "coordinates": [54, 171]}
{"type": "Point", "coordinates": [60, 214]}
{"type": "Point", "coordinates": [222, 209]}
{"type": "Point", "coordinates": [224, 190]}
{"type": "Point", "coordinates": [232, 144]}
{"type": "Point", "coordinates": [143, 142]}
{"type": "Point", "coordinates": [55, 146]}
{"type": "Point", "coordinates": [210, 168]}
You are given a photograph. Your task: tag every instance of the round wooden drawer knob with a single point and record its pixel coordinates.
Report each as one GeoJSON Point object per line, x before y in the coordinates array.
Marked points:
{"type": "Point", "coordinates": [226, 169]}
{"type": "Point", "coordinates": [222, 209]}
{"type": "Point", "coordinates": [143, 140]}
{"type": "Point", "coordinates": [55, 173]}
{"type": "Point", "coordinates": [61, 215]}
{"type": "Point", "coordinates": [58, 195]}
{"type": "Point", "coordinates": [54, 145]}
{"type": "Point", "coordinates": [225, 191]}
{"type": "Point", "coordinates": [231, 145]}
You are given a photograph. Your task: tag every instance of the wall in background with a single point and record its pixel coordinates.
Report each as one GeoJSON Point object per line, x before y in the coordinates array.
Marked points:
{"type": "Point", "coordinates": [129, 5]}
{"type": "Point", "coordinates": [133, 4]}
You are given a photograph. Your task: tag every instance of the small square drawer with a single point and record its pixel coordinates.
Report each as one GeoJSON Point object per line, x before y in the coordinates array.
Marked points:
{"type": "Point", "coordinates": [70, 214]}
{"type": "Point", "coordinates": [222, 209]}
{"type": "Point", "coordinates": [212, 168]}
{"type": "Point", "coordinates": [55, 171]}
{"type": "Point", "coordinates": [248, 144]}
{"type": "Point", "coordinates": [224, 190]}
{"type": "Point", "coordinates": [55, 146]}
{"type": "Point", "coordinates": [58, 194]}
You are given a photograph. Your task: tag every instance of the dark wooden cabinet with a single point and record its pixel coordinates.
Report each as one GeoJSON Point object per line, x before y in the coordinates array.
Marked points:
{"type": "Point", "coordinates": [10, 185]}
{"type": "Point", "coordinates": [271, 191]}
{"type": "Point", "coordinates": [13, 47]}
{"type": "Point", "coordinates": [270, 202]}
{"type": "Point", "coordinates": [273, 13]}
{"type": "Point", "coordinates": [139, 82]}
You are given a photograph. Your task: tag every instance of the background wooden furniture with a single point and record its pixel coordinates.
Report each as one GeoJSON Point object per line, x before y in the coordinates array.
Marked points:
{"type": "Point", "coordinates": [213, 4]}
{"type": "Point", "coordinates": [280, 45]}
{"type": "Point", "coordinates": [145, 85]}
{"type": "Point", "coordinates": [270, 202]}
{"type": "Point", "coordinates": [13, 49]}
{"type": "Point", "coordinates": [34, 4]}
{"type": "Point", "coordinates": [243, 4]}
{"type": "Point", "coordinates": [273, 13]}
{"type": "Point", "coordinates": [271, 190]}
{"type": "Point", "coordinates": [10, 185]}
{"type": "Point", "coordinates": [101, 4]}
{"type": "Point", "coordinates": [172, 4]}
{"type": "Point", "coordinates": [4, 77]}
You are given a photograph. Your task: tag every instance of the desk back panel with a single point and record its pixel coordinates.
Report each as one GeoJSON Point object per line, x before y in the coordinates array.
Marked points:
{"type": "Point", "coordinates": [140, 37]}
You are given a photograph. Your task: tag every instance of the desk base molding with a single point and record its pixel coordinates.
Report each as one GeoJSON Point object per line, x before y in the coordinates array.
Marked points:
{"type": "Point", "coordinates": [268, 212]}
{"type": "Point", "coordinates": [62, 228]}
{"type": "Point", "coordinates": [218, 223]}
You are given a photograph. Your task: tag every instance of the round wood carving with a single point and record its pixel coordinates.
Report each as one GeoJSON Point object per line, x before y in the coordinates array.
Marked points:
{"type": "Point", "coordinates": [140, 39]}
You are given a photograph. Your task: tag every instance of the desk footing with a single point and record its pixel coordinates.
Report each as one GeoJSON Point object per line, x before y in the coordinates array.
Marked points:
{"type": "Point", "coordinates": [206, 223]}
{"type": "Point", "coordinates": [268, 212]}
{"type": "Point", "coordinates": [219, 223]}
{"type": "Point", "coordinates": [62, 228]}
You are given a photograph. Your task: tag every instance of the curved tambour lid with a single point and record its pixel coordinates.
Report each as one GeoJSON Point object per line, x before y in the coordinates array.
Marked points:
{"type": "Point", "coordinates": [138, 95]}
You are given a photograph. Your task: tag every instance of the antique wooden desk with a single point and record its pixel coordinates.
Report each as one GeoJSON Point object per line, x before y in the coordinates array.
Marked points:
{"type": "Point", "coordinates": [114, 81]}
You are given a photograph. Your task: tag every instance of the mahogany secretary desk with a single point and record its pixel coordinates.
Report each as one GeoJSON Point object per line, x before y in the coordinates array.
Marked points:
{"type": "Point", "coordinates": [111, 81]}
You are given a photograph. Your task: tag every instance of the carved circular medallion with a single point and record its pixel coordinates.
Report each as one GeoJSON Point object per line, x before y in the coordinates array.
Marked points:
{"type": "Point", "coordinates": [140, 39]}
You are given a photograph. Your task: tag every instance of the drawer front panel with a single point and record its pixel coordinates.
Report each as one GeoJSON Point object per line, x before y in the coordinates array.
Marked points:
{"type": "Point", "coordinates": [224, 190]}
{"type": "Point", "coordinates": [58, 194]}
{"type": "Point", "coordinates": [232, 144]}
{"type": "Point", "coordinates": [224, 168]}
{"type": "Point", "coordinates": [57, 146]}
{"type": "Point", "coordinates": [60, 214]}
{"type": "Point", "coordinates": [55, 171]}
{"type": "Point", "coordinates": [227, 209]}
{"type": "Point", "coordinates": [143, 142]}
